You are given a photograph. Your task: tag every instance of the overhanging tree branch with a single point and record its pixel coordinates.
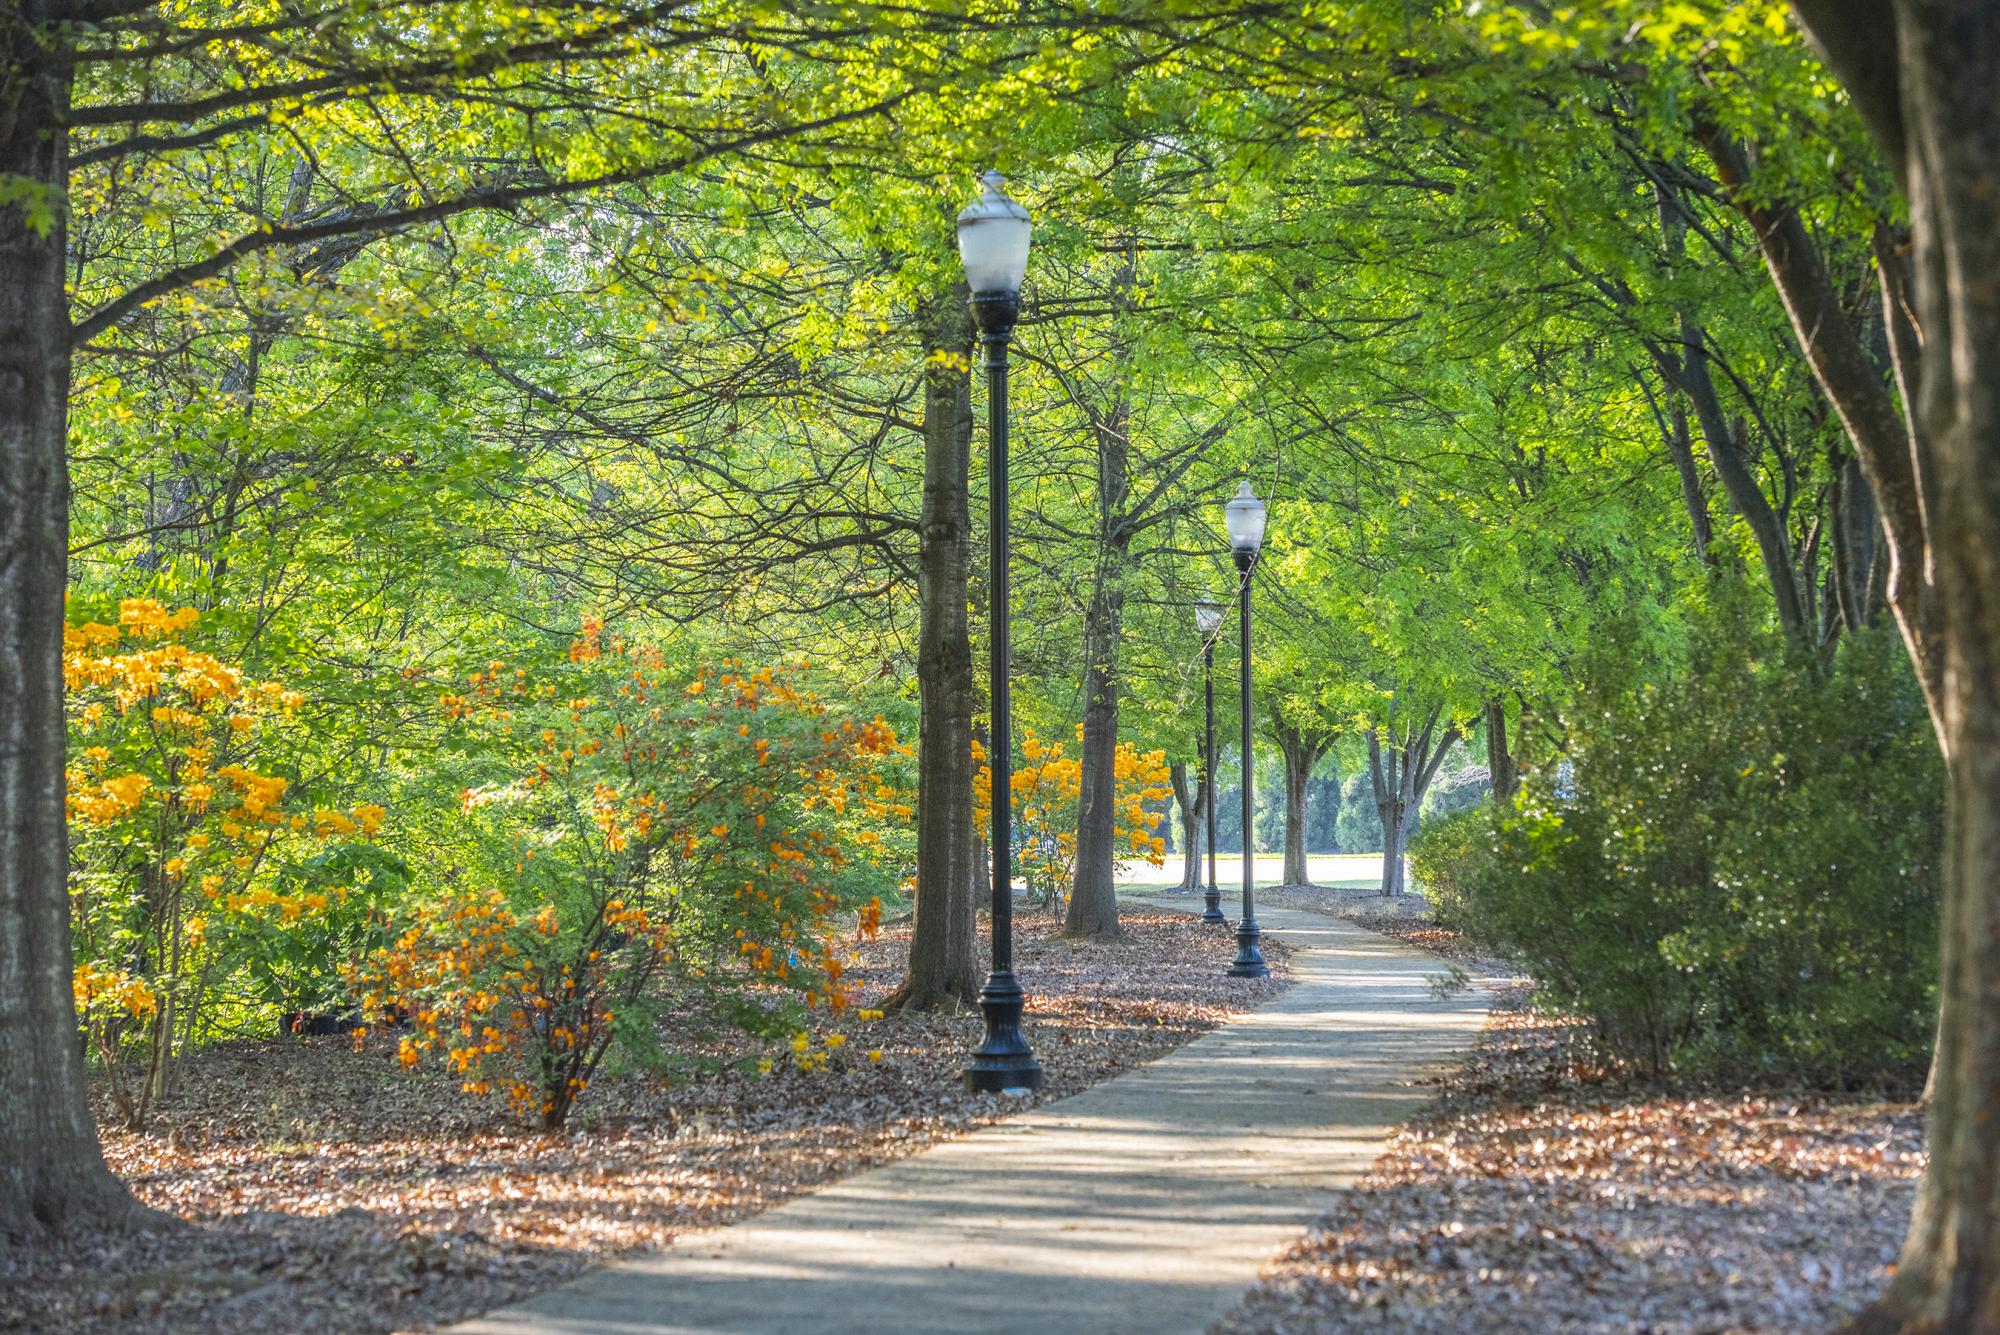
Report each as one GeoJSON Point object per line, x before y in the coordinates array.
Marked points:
{"type": "Point", "coordinates": [273, 236]}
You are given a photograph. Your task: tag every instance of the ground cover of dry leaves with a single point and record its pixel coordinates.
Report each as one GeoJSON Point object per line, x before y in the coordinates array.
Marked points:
{"type": "Point", "coordinates": [1539, 1194]}
{"type": "Point", "coordinates": [329, 1192]}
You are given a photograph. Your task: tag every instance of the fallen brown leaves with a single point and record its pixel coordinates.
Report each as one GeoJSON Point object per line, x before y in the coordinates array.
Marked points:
{"type": "Point", "coordinates": [1539, 1196]}
{"type": "Point", "coordinates": [329, 1191]}
{"type": "Point", "coordinates": [1426, 935]}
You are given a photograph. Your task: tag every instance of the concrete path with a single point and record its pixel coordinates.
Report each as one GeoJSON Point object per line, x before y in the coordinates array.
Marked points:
{"type": "Point", "coordinates": [1146, 1204]}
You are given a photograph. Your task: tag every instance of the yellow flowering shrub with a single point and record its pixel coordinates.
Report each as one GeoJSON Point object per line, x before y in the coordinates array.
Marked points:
{"type": "Point", "coordinates": [181, 839]}
{"type": "Point", "coordinates": [1047, 783]}
{"type": "Point", "coordinates": [110, 1004]}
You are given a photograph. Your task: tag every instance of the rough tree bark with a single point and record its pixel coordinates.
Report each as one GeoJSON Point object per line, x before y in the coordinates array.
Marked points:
{"type": "Point", "coordinates": [1093, 899]}
{"type": "Point", "coordinates": [1386, 774]}
{"type": "Point", "coordinates": [1302, 749]}
{"type": "Point", "coordinates": [1501, 762]}
{"type": "Point", "coordinates": [944, 945]}
{"type": "Point", "coordinates": [52, 1175]}
{"type": "Point", "coordinates": [1922, 73]}
{"type": "Point", "coordinates": [1191, 798]}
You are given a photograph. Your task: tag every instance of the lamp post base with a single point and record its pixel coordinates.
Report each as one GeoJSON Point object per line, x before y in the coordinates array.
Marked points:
{"type": "Point", "coordinates": [1002, 1061]}
{"type": "Point", "coordinates": [1249, 962]}
{"type": "Point", "coordinates": [1213, 913]}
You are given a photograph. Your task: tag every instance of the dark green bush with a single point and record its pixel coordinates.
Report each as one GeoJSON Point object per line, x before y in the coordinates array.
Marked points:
{"type": "Point", "coordinates": [1733, 873]}
{"type": "Point", "coordinates": [1447, 856]}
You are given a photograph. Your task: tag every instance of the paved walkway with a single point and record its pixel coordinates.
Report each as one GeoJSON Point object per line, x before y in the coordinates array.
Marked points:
{"type": "Point", "coordinates": [1146, 1204]}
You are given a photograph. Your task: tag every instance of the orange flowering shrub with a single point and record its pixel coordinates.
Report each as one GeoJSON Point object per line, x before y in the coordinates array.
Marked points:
{"type": "Point", "coordinates": [524, 1005]}
{"type": "Point", "coordinates": [636, 830]}
{"type": "Point", "coordinates": [1047, 785]}
{"type": "Point", "coordinates": [184, 846]}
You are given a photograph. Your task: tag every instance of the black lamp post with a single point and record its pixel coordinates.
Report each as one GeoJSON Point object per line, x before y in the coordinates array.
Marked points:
{"type": "Point", "coordinates": [1245, 517]}
{"type": "Point", "coordinates": [1208, 620]}
{"type": "Point", "coordinates": [993, 246]}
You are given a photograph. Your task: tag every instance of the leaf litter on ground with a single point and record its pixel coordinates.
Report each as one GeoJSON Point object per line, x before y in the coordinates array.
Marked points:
{"type": "Point", "coordinates": [328, 1191]}
{"type": "Point", "coordinates": [1542, 1193]}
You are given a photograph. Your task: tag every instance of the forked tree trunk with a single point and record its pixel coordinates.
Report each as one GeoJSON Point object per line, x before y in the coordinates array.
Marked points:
{"type": "Point", "coordinates": [1401, 775]}
{"type": "Point", "coordinates": [944, 944]}
{"type": "Point", "coordinates": [1296, 871]}
{"type": "Point", "coordinates": [1302, 752]}
{"type": "Point", "coordinates": [1922, 73]}
{"type": "Point", "coordinates": [1884, 440]}
{"type": "Point", "coordinates": [1093, 899]}
{"type": "Point", "coordinates": [52, 1174]}
{"type": "Point", "coordinates": [1385, 776]}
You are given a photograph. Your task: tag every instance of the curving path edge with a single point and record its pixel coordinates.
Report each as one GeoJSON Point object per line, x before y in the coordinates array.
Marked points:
{"type": "Point", "coordinates": [1143, 1206]}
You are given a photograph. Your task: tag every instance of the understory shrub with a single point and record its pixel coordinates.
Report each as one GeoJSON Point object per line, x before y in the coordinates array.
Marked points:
{"type": "Point", "coordinates": [633, 834]}
{"type": "Point", "coordinates": [1736, 872]}
{"type": "Point", "coordinates": [210, 890]}
{"type": "Point", "coordinates": [1447, 856]}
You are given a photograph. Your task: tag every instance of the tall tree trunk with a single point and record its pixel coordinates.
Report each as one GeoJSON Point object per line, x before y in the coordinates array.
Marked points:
{"type": "Point", "coordinates": [1921, 73]}
{"type": "Point", "coordinates": [1192, 804]}
{"type": "Point", "coordinates": [1889, 452]}
{"type": "Point", "coordinates": [52, 1173]}
{"type": "Point", "coordinates": [1093, 899]}
{"type": "Point", "coordinates": [944, 945]}
{"type": "Point", "coordinates": [1396, 842]}
{"type": "Point", "coordinates": [1302, 753]}
{"type": "Point", "coordinates": [1385, 777]}
{"type": "Point", "coordinates": [1396, 831]}
{"type": "Point", "coordinates": [1296, 871]}
{"type": "Point", "coordinates": [1852, 522]}
{"type": "Point", "coordinates": [1500, 762]}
